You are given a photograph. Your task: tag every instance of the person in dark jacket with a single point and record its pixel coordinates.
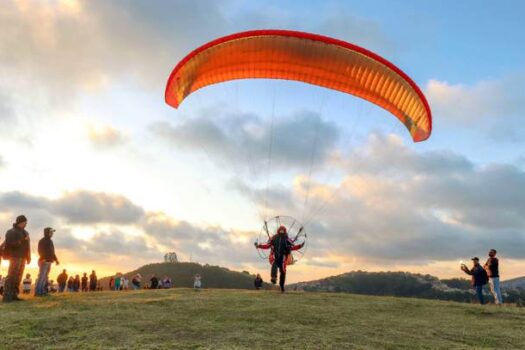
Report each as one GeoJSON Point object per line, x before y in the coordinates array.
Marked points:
{"type": "Point", "coordinates": [84, 282]}
{"type": "Point", "coordinates": [258, 282]}
{"type": "Point", "coordinates": [70, 282]}
{"type": "Point", "coordinates": [93, 281]}
{"type": "Point", "coordinates": [492, 268]}
{"type": "Point", "coordinates": [280, 255]}
{"type": "Point", "coordinates": [154, 282]}
{"type": "Point", "coordinates": [17, 250]}
{"type": "Point", "coordinates": [76, 283]}
{"type": "Point", "coordinates": [46, 251]}
{"type": "Point", "coordinates": [62, 281]}
{"type": "Point", "coordinates": [479, 277]}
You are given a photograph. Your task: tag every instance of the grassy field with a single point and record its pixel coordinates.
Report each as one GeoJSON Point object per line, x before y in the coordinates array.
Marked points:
{"type": "Point", "coordinates": [235, 319]}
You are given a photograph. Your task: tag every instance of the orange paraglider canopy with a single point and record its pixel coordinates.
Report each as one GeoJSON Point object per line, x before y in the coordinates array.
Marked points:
{"type": "Point", "coordinates": [305, 57]}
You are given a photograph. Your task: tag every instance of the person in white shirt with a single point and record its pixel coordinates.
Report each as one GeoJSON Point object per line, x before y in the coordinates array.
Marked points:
{"type": "Point", "coordinates": [26, 284]}
{"type": "Point", "coordinates": [197, 282]}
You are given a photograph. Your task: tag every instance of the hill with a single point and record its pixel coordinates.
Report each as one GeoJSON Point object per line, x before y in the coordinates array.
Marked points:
{"type": "Point", "coordinates": [241, 319]}
{"type": "Point", "coordinates": [403, 284]}
{"type": "Point", "coordinates": [515, 283]}
{"type": "Point", "coordinates": [182, 275]}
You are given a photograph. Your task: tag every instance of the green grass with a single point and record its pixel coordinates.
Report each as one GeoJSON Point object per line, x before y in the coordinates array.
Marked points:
{"type": "Point", "coordinates": [237, 319]}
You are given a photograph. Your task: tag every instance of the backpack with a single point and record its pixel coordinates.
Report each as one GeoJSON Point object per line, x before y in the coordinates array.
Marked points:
{"type": "Point", "coordinates": [484, 277]}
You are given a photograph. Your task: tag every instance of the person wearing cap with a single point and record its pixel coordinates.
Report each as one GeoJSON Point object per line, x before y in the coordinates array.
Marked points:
{"type": "Point", "coordinates": [492, 268]}
{"type": "Point", "coordinates": [479, 277]}
{"type": "Point", "coordinates": [46, 251]}
{"type": "Point", "coordinates": [17, 250]}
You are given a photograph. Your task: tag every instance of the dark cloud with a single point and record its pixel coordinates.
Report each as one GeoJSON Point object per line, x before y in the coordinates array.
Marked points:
{"type": "Point", "coordinates": [245, 139]}
{"type": "Point", "coordinates": [104, 245]}
{"type": "Point", "coordinates": [80, 207]}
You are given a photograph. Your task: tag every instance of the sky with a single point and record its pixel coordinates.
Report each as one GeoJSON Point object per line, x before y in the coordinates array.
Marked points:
{"type": "Point", "coordinates": [89, 147]}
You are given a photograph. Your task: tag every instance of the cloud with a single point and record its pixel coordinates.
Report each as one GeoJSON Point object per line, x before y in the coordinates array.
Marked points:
{"type": "Point", "coordinates": [107, 249]}
{"type": "Point", "coordinates": [399, 205]}
{"type": "Point", "coordinates": [79, 207]}
{"type": "Point", "coordinates": [83, 207]}
{"type": "Point", "coordinates": [85, 45]}
{"type": "Point", "coordinates": [7, 113]}
{"type": "Point", "coordinates": [206, 244]}
{"type": "Point", "coordinates": [241, 139]}
{"type": "Point", "coordinates": [106, 137]}
{"type": "Point", "coordinates": [495, 106]}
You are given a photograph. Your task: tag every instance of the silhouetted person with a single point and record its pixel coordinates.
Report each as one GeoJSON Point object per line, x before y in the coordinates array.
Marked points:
{"type": "Point", "coordinates": [62, 281]}
{"type": "Point", "coordinates": [17, 250]}
{"type": "Point", "coordinates": [258, 282]}
{"type": "Point", "coordinates": [135, 282]}
{"type": "Point", "coordinates": [112, 283]}
{"type": "Point", "coordinates": [154, 282]}
{"type": "Point", "coordinates": [76, 283]}
{"type": "Point", "coordinates": [46, 252]}
{"type": "Point", "coordinates": [492, 268]}
{"type": "Point", "coordinates": [479, 278]}
{"type": "Point", "coordinates": [70, 282]}
{"type": "Point", "coordinates": [93, 281]}
{"type": "Point", "coordinates": [84, 282]}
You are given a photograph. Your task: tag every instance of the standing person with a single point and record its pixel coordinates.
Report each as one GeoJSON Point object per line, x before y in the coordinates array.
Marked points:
{"type": "Point", "coordinates": [76, 283]}
{"type": "Point", "coordinates": [135, 282]}
{"type": "Point", "coordinates": [112, 283]}
{"type": "Point", "coordinates": [118, 279]}
{"type": "Point", "coordinates": [258, 282]}
{"type": "Point", "coordinates": [93, 281]}
{"type": "Point", "coordinates": [479, 277]}
{"type": "Point", "coordinates": [17, 250]}
{"type": "Point", "coordinates": [62, 281]}
{"type": "Point", "coordinates": [84, 282]}
{"type": "Point", "coordinates": [197, 282]}
{"type": "Point", "coordinates": [492, 268]}
{"type": "Point", "coordinates": [2, 280]}
{"type": "Point", "coordinates": [125, 283]}
{"type": "Point", "coordinates": [70, 282]}
{"type": "Point", "coordinates": [280, 255]}
{"type": "Point", "coordinates": [26, 284]}
{"type": "Point", "coordinates": [166, 282]}
{"type": "Point", "coordinates": [46, 252]}
{"type": "Point", "coordinates": [154, 282]}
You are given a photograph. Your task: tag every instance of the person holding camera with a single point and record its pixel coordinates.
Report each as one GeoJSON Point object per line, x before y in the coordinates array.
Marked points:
{"type": "Point", "coordinates": [479, 277]}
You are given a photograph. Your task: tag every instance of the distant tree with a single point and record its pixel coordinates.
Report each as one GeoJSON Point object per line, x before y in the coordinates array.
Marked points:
{"type": "Point", "coordinates": [170, 257]}
{"type": "Point", "coordinates": [458, 283]}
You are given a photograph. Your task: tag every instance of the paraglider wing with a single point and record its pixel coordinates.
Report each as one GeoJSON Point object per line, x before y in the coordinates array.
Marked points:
{"type": "Point", "coordinates": [305, 57]}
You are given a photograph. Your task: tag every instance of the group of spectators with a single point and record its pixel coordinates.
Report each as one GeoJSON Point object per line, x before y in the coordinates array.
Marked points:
{"type": "Point", "coordinates": [486, 274]}
{"type": "Point", "coordinates": [16, 249]}
{"type": "Point", "coordinates": [77, 283]}
{"type": "Point", "coordinates": [121, 282]}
